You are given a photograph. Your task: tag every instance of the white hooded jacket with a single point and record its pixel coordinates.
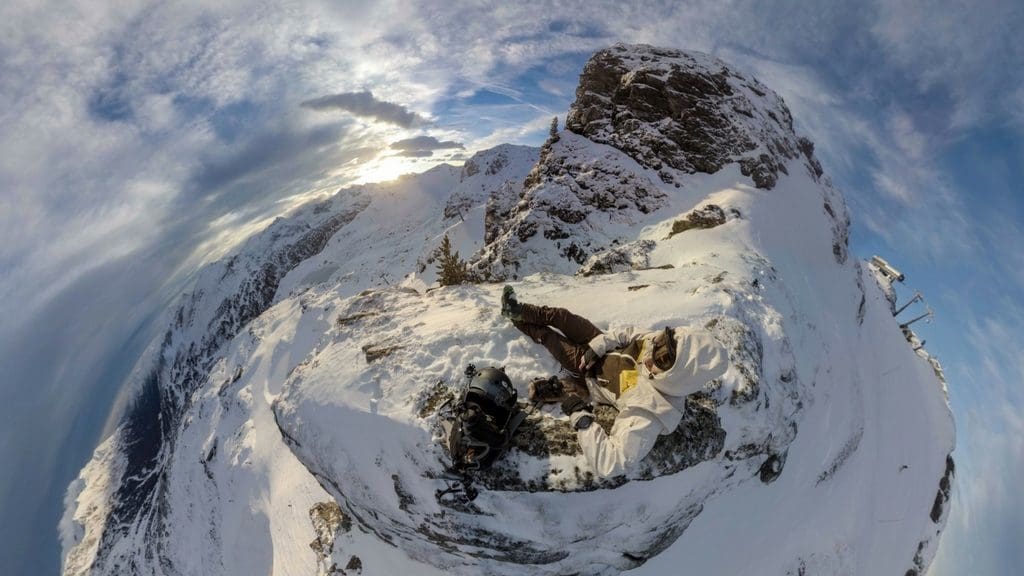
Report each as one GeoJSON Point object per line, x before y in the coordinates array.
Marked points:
{"type": "Point", "coordinates": [655, 405]}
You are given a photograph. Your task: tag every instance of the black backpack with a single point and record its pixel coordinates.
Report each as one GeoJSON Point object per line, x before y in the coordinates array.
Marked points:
{"type": "Point", "coordinates": [483, 420]}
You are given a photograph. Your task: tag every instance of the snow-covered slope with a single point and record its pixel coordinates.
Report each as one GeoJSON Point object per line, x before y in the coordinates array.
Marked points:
{"type": "Point", "coordinates": [298, 402]}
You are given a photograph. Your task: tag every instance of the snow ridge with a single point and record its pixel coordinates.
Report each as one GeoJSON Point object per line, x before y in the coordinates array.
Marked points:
{"type": "Point", "coordinates": [229, 295]}
{"type": "Point", "coordinates": [130, 531]}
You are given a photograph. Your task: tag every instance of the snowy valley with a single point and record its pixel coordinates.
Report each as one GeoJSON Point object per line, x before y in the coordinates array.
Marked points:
{"type": "Point", "coordinates": [287, 421]}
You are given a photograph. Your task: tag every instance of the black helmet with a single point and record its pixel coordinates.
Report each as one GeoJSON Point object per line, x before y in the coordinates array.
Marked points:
{"type": "Point", "coordinates": [485, 419]}
{"type": "Point", "coordinates": [493, 391]}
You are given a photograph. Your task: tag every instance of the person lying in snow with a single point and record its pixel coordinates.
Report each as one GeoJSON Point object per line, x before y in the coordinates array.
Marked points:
{"type": "Point", "coordinates": [645, 375]}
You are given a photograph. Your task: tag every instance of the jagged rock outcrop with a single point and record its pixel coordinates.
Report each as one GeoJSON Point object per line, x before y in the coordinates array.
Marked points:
{"type": "Point", "coordinates": [495, 162]}
{"type": "Point", "coordinates": [578, 196]}
{"type": "Point", "coordinates": [687, 111]}
{"type": "Point", "coordinates": [660, 114]}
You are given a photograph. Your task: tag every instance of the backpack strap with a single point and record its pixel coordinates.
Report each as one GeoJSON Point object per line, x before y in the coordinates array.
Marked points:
{"type": "Point", "coordinates": [516, 421]}
{"type": "Point", "coordinates": [513, 424]}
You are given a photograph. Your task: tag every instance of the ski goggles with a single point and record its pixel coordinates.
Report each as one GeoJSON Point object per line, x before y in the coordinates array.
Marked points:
{"type": "Point", "coordinates": [664, 353]}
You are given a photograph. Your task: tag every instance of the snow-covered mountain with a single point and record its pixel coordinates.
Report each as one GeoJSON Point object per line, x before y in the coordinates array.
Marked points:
{"type": "Point", "coordinates": [287, 421]}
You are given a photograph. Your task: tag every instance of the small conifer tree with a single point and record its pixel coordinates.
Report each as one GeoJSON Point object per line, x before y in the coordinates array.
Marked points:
{"type": "Point", "coordinates": [451, 269]}
{"type": "Point", "coordinates": [553, 133]}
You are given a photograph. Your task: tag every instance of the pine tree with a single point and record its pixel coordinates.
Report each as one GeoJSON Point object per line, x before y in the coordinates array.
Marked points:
{"type": "Point", "coordinates": [451, 269]}
{"type": "Point", "coordinates": [553, 133]}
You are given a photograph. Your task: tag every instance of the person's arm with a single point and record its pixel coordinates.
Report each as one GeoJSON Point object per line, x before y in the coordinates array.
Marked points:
{"type": "Point", "coordinates": [613, 454]}
{"type": "Point", "coordinates": [613, 339]}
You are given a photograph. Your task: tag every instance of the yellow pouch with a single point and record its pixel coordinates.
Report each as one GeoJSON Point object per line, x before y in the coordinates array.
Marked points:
{"type": "Point", "coordinates": [627, 380]}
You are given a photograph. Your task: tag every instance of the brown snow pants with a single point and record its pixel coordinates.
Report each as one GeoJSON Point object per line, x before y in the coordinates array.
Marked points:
{"type": "Point", "coordinates": [565, 335]}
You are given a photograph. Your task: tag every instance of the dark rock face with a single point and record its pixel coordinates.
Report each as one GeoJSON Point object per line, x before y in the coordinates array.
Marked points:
{"type": "Point", "coordinates": [942, 496]}
{"type": "Point", "coordinates": [687, 111]}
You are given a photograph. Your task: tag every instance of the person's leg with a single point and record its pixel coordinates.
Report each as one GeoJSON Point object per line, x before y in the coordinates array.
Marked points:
{"type": "Point", "coordinates": [567, 353]}
{"type": "Point", "coordinates": [567, 345]}
{"type": "Point", "coordinates": [576, 328]}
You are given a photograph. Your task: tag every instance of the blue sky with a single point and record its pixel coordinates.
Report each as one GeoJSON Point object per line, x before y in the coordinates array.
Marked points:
{"type": "Point", "coordinates": [140, 138]}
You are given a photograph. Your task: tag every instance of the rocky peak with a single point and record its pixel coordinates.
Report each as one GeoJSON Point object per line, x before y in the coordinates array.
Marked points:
{"type": "Point", "coordinates": [644, 118]}
{"type": "Point", "coordinates": [578, 199]}
{"type": "Point", "coordinates": [687, 111]}
{"type": "Point", "coordinates": [485, 173]}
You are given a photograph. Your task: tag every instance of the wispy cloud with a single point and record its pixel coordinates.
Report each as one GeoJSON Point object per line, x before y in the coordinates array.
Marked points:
{"type": "Point", "coordinates": [903, 191]}
{"type": "Point", "coordinates": [125, 134]}
{"type": "Point", "coordinates": [524, 133]}
{"type": "Point", "coordinates": [942, 47]}
{"type": "Point", "coordinates": [363, 104]}
{"type": "Point", "coordinates": [983, 535]}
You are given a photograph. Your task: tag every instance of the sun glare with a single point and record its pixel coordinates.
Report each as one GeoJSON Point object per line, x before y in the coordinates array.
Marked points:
{"type": "Point", "coordinates": [385, 168]}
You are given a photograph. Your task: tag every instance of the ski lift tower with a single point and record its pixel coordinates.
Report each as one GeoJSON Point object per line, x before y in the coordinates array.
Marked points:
{"type": "Point", "coordinates": [887, 270]}
{"type": "Point", "coordinates": [886, 274]}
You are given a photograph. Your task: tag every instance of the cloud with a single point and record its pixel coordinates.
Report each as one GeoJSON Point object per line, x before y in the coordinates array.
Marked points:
{"type": "Point", "coordinates": [525, 133]}
{"type": "Point", "coordinates": [888, 163]}
{"type": "Point", "coordinates": [127, 135]}
{"type": "Point", "coordinates": [297, 147]}
{"type": "Point", "coordinates": [363, 104]}
{"type": "Point", "coordinates": [417, 153]}
{"type": "Point", "coordinates": [422, 143]}
{"type": "Point", "coordinates": [944, 48]}
{"type": "Point", "coordinates": [987, 518]}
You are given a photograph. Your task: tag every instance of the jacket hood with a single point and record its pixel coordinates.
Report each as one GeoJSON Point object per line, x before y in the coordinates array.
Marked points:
{"type": "Point", "coordinates": [699, 359]}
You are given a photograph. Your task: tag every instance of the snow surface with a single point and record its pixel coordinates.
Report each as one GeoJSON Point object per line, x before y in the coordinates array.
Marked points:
{"type": "Point", "coordinates": [326, 397]}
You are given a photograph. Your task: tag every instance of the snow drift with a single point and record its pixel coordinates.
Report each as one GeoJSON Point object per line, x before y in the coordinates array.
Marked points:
{"type": "Point", "coordinates": [297, 387]}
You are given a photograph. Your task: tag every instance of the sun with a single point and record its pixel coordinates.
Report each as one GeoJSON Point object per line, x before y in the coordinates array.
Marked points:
{"type": "Point", "coordinates": [390, 167]}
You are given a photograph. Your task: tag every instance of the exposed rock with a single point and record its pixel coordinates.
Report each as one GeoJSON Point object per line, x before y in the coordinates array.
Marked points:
{"type": "Point", "coordinates": [746, 354]}
{"type": "Point", "coordinates": [328, 520]}
{"type": "Point", "coordinates": [500, 205]}
{"type": "Point", "coordinates": [587, 208]}
{"type": "Point", "coordinates": [918, 567]}
{"type": "Point", "coordinates": [632, 256]}
{"type": "Point", "coordinates": [354, 566]}
{"type": "Point", "coordinates": [345, 320]}
{"type": "Point", "coordinates": [567, 193]}
{"type": "Point", "coordinates": [433, 398]}
{"type": "Point", "coordinates": [687, 111]}
{"type": "Point", "coordinates": [669, 111]}
{"type": "Point", "coordinates": [707, 216]}
{"type": "Point", "coordinates": [483, 167]}
{"type": "Point", "coordinates": [698, 437]}
{"type": "Point", "coordinates": [942, 496]}
{"type": "Point", "coordinates": [374, 352]}
{"type": "Point", "coordinates": [249, 286]}
{"type": "Point", "coordinates": [772, 468]}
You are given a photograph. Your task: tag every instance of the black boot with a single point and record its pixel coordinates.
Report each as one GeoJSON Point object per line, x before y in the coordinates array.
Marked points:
{"type": "Point", "coordinates": [510, 306]}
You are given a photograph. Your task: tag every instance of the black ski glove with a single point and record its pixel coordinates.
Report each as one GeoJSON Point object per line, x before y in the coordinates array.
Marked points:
{"type": "Point", "coordinates": [574, 404]}
{"type": "Point", "coordinates": [584, 412]}
{"type": "Point", "coordinates": [588, 361]}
